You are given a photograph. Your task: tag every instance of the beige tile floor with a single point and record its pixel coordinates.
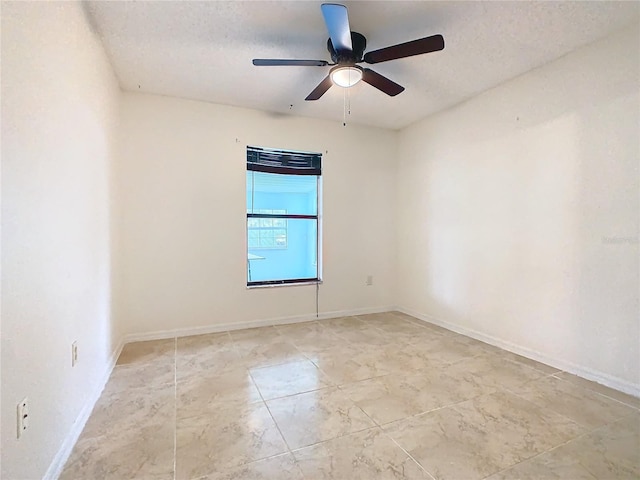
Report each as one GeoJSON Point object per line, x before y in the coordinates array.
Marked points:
{"type": "Point", "coordinates": [380, 396]}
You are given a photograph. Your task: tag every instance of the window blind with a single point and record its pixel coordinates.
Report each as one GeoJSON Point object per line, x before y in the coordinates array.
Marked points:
{"type": "Point", "coordinates": [283, 161]}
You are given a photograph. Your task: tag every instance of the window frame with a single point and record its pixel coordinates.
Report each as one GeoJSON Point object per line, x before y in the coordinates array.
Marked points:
{"type": "Point", "coordinates": [288, 216]}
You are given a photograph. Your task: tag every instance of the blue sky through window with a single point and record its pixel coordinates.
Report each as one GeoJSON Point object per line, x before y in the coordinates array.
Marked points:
{"type": "Point", "coordinates": [281, 248]}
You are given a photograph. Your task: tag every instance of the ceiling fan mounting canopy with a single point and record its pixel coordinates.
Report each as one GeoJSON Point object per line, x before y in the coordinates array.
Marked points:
{"type": "Point", "coordinates": [358, 42]}
{"type": "Point", "coordinates": [347, 49]}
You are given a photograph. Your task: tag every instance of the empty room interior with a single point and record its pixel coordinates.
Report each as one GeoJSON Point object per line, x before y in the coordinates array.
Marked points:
{"type": "Point", "coordinates": [295, 240]}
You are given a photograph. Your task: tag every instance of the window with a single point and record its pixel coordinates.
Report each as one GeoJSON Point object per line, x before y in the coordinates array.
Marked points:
{"type": "Point", "coordinates": [282, 216]}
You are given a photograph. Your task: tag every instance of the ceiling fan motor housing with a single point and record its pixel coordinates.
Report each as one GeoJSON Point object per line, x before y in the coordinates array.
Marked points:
{"type": "Point", "coordinates": [359, 43]}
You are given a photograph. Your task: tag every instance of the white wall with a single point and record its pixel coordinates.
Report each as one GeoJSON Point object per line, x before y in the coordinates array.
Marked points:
{"type": "Point", "coordinates": [181, 201]}
{"type": "Point", "coordinates": [501, 206]}
{"type": "Point", "coordinates": [506, 205]}
{"type": "Point", "coordinates": [59, 105]}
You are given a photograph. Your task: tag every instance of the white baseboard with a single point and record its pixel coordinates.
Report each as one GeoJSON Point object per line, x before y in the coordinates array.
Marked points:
{"type": "Point", "coordinates": [579, 370]}
{"type": "Point", "coordinates": [185, 332]}
{"type": "Point", "coordinates": [58, 462]}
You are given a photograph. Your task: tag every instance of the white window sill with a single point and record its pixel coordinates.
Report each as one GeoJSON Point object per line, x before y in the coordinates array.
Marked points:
{"type": "Point", "coordinates": [278, 285]}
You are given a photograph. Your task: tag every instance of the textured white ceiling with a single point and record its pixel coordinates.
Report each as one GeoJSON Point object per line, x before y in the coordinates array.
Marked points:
{"type": "Point", "coordinates": [203, 50]}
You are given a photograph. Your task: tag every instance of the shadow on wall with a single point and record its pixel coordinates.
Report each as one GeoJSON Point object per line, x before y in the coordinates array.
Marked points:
{"type": "Point", "coordinates": [520, 201]}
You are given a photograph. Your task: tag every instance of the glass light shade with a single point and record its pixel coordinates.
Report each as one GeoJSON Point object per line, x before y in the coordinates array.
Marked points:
{"type": "Point", "coordinates": [346, 76]}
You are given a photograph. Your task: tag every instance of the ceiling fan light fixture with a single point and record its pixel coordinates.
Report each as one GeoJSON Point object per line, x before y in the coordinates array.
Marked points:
{"type": "Point", "coordinates": [346, 76]}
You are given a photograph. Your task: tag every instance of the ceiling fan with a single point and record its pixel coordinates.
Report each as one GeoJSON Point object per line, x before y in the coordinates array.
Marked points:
{"type": "Point", "coordinates": [347, 49]}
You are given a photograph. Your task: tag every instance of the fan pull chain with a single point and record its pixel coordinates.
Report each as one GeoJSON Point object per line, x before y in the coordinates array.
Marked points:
{"type": "Point", "coordinates": [344, 107]}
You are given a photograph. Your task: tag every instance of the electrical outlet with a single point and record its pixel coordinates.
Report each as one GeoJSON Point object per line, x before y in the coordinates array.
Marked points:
{"type": "Point", "coordinates": [74, 353]}
{"type": "Point", "coordinates": [369, 280]}
{"type": "Point", "coordinates": [23, 416]}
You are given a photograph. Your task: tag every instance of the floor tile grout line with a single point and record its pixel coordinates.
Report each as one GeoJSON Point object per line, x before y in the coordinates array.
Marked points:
{"type": "Point", "coordinates": [258, 460]}
{"type": "Point", "coordinates": [575, 384]}
{"type": "Point", "coordinates": [363, 411]}
{"type": "Point", "coordinates": [588, 427]}
{"type": "Point", "coordinates": [371, 325]}
{"type": "Point", "coordinates": [584, 434]}
{"type": "Point", "coordinates": [588, 430]}
{"type": "Point", "coordinates": [422, 325]}
{"type": "Point", "coordinates": [340, 388]}
{"type": "Point", "coordinates": [255, 367]}
{"type": "Point", "coordinates": [285, 362]}
{"type": "Point", "coordinates": [524, 365]}
{"type": "Point", "coordinates": [335, 386]}
{"type": "Point", "coordinates": [442, 407]}
{"type": "Point", "coordinates": [520, 396]}
{"type": "Point", "coordinates": [549, 450]}
{"type": "Point", "coordinates": [409, 455]}
{"type": "Point", "coordinates": [315, 444]}
{"type": "Point", "coordinates": [264, 402]}
{"type": "Point", "coordinates": [533, 380]}
{"type": "Point", "coordinates": [301, 393]}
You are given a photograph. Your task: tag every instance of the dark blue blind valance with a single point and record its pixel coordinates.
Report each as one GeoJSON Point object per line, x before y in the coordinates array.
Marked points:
{"type": "Point", "coordinates": [283, 161]}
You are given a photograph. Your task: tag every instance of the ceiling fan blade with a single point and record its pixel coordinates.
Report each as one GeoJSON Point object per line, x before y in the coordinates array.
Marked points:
{"type": "Point", "coordinates": [273, 62]}
{"type": "Point", "coordinates": [321, 89]}
{"type": "Point", "coordinates": [337, 20]}
{"type": "Point", "coordinates": [408, 49]}
{"type": "Point", "coordinates": [381, 83]}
